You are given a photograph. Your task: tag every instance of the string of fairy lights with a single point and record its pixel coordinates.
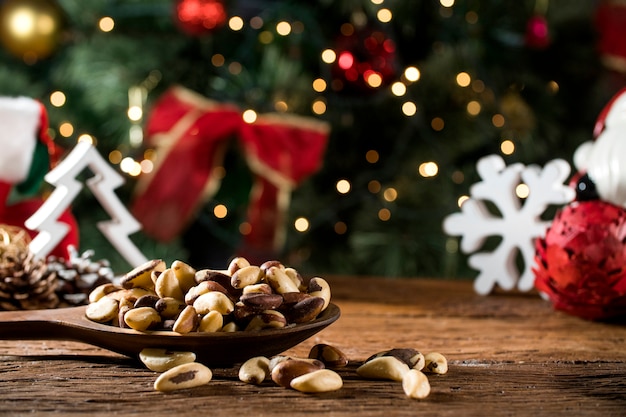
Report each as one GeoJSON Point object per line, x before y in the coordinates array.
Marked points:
{"type": "Point", "coordinates": [399, 88]}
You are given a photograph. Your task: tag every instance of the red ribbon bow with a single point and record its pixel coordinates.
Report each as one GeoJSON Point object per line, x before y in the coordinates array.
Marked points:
{"type": "Point", "coordinates": [190, 134]}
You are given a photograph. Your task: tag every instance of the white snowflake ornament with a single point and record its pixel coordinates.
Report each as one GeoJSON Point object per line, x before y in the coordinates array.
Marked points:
{"type": "Point", "coordinates": [518, 224]}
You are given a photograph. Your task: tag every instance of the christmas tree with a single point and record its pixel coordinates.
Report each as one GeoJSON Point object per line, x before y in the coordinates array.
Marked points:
{"type": "Point", "coordinates": [412, 93]}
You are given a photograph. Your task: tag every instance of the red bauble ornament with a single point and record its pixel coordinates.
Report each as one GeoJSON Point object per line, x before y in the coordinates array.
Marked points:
{"type": "Point", "coordinates": [537, 32]}
{"type": "Point", "coordinates": [200, 17]}
{"type": "Point", "coordinates": [365, 61]}
{"type": "Point", "coordinates": [581, 263]}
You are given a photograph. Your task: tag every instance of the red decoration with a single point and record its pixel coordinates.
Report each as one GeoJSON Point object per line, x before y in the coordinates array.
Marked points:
{"type": "Point", "coordinates": [581, 262]}
{"type": "Point", "coordinates": [364, 54]}
{"type": "Point", "coordinates": [537, 32]}
{"type": "Point", "coordinates": [200, 17]}
{"type": "Point", "coordinates": [610, 23]}
{"type": "Point", "coordinates": [191, 132]}
{"type": "Point", "coordinates": [17, 213]}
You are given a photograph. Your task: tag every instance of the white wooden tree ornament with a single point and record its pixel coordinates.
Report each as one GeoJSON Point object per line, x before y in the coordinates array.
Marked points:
{"type": "Point", "coordinates": [105, 180]}
{"type": "Point", "coordinates": [518, 225]}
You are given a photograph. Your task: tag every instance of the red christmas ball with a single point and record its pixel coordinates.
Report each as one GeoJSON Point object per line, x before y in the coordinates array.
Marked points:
{"type": "Point", "coordinates": [537, 32]}
{"type": "Point", "coordinates": [580, 265]}
{"type": "Point", "coordinates": [365, 61]}
{"type": "Point", "coordinates": [200, 17]}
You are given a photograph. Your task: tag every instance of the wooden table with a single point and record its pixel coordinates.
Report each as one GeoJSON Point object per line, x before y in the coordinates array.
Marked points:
{"type": "Point", "coordinates": [509, 355]}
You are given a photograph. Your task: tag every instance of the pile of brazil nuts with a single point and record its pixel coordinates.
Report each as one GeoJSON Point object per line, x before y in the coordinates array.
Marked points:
{"type": "Point", "coordinates": [313, 374]}
{"type": "Point", "coordinates": [182, 299]}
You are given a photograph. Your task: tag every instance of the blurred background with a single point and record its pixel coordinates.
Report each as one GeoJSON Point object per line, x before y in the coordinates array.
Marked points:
{"type": "Point", "coordinates": [401, 99]}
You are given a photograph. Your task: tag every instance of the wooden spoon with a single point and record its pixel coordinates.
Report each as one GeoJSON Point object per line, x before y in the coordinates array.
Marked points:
{"type": "Point", "coordinates": [215, 349]}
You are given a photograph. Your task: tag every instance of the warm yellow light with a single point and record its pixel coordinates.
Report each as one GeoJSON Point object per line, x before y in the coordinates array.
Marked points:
{"type": "Point", "coordinates": [507, 147]}
{"type": "Point", "coordinates": [22, 22]}
{"type": "Point", "coordinates": [130, 166]}
{"type": "Point", "coordinates": [398, 89]}
{"type": "Point", "coordinates": [522, 191]}
{"type": "Point", "coordinates": [343, 186]}
{"type": "Point", "coordinates": [412, 74]}
{"type": "Point", "coordinates": [245, 228]}
{"type": "Point", "coordinates": [428, 169]}
{"type": "Point", "coordinates": [553, 87]}
{"type": "Point", "coordinates": [497, 120]}
{"type": "Point", "coordinates": [461, 200]}
{"type": "Point", "coordinates": [390, 194]}
{"type": "Point", "coordinates": [384, 15]}
{"type": "Point", "coordinates": [150, 154]}
{"type": "Point", "coordinates": [106, 24]}
{"type": "Point", "coordinates": [235, 23]}
{"type": "Point", "coordinates": [446, 3]}
{"type": "Point", "coordinates": [372, 156]}
{"type": "Point", "coordinates": [135, 113]}
{"type": "Point", "coordinates": [147, 166]}
{"type": "Point", "coordinates": [384, 214]}
{"type": "Point", "coordinates": [473, 108]}
{"type": "Point", "coordinates": [86, 138]}
{"type": "Point", "coordinates": [283, 28]}
{"type": "Point", "coordinates": [319, 85]}
{"type": "Point", "coordinates": [235, 68]}
{"type": "Point", "coordinates": [301, 224]}
{"type": "Point", "coordinates": [249, 116]}
{"type": "Point", "coordinates": [220, 211]}
{"type": "Point", "coordinates": [115, 157]}
{"type": "Point", "coordinates": [218, 60]}
{"type": "Point", "coordinates": [377, 1]}
{"type": "Point", "coordinates": [463, 79]}
{"type": "Point", "coordinates": [346, 29]}
{"type": "Point", "coordinates": [374, 80]}
{"type": "Point", "coordinates": [329, 56]}
{"type": "Point", "coordinates": [57, 99]}
{"type": "Point", "coordinates": [340, 228]}
{"type": "Point", "coordinates": [319, 107]}
{"type": "Point", "coordinates": [281, 106]}
{"type": "Point", "coordinates": [409, 108]}
{"type": "Point", "coordinates": [437, 124]}
{"type": "Point", "coordinates": [374, 186]}
{"type": "Point", "coordinates": [66, 129]}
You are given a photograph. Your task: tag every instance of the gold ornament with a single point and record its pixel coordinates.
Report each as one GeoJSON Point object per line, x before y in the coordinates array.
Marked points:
{"type": "Point", "coordinates": [31, 29]}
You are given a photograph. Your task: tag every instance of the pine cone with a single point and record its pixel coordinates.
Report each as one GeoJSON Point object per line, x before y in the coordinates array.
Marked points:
{"type": "Point", "coordinates": [26, 283]}
{"type": "Point", "coordinates": [79, 275]}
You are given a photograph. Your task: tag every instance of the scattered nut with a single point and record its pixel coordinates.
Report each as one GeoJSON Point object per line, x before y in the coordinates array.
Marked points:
{"type": "Point", "coordinates": [329, 355]}
{"type": "Point", "coordinates": [161, 360]}
{"type": "Point", "coordinates": [435, 363]}
{"type": "Point", "coordinates": [255, 370]}
{"type": "Point", "coordinates": [415, 384]}
{"type": "Point", "coordinates": [411, 357]}
{"type": "Point", "coordinates": [187, 375]}
{"type": "Point", "coordinates": [322, 380]}
{"type": "Point", "coordinates": [285, 371]}
{"type": "Point", "coordinates": [383, 367]}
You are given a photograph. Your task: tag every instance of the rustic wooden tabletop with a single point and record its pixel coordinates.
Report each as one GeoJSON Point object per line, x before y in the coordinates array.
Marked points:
{"type": "Point", "coordinates": [509, 355]}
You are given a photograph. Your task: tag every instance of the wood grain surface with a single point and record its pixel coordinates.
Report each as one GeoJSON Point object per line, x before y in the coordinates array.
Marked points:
{"type": "Point", "coordinates": [509, 355]}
